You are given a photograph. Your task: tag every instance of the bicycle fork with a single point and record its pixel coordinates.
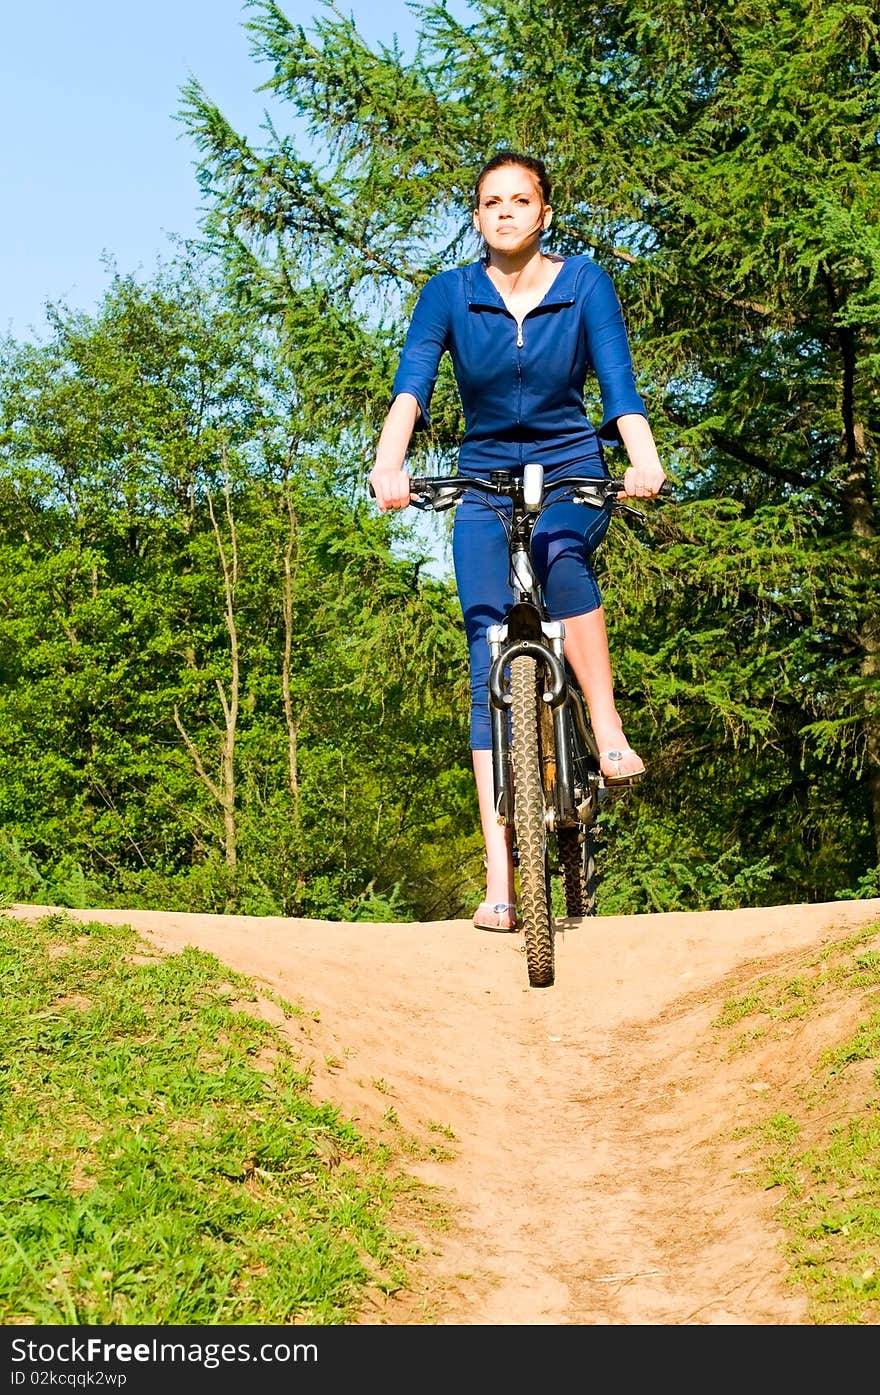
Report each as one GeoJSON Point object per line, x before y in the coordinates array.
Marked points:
{"type": "Point", "coordinates": [545, 645]}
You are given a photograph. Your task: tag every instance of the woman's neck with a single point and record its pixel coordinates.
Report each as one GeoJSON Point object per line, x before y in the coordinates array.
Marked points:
{"type": "Point", "coordinates": [516, 272]}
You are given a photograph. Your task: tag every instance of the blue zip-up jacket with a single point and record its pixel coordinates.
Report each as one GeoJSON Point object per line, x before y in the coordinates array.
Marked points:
{"type": "Point", "coordinates": [522, 386]}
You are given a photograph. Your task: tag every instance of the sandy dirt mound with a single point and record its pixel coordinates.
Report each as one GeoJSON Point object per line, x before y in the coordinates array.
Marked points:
{"type": "Point", "coordinates": [584, 1135]}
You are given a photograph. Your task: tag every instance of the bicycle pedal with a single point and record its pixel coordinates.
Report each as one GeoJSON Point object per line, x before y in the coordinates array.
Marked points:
{"type": "Point", "coordinates": [613, 791]}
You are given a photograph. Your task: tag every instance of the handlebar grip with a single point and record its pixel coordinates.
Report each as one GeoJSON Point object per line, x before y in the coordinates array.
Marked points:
{"type": "Point", "coordinates": [417, 483]}
{"type": "Point", "coordinates": [613, 486]}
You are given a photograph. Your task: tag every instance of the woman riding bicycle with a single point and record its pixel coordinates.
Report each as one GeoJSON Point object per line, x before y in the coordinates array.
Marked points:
{"type": "Point", "coordinates": [523, 329]}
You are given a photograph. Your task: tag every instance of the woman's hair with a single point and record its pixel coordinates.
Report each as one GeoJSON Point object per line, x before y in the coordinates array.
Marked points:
{"type": "Point", "coordinates": [513, 157]}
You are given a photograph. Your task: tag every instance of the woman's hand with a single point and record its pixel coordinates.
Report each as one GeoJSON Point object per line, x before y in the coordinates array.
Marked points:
{"type": "Point", "coordinates": [643, 481]}
{"type": "Point", "coordinates": [390, 487]}
{"type": "Point", "coordinates": [645, 475]}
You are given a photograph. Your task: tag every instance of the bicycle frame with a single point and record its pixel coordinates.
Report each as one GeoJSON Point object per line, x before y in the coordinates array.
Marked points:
{"type": "Point", "coordinates": [526, 629]}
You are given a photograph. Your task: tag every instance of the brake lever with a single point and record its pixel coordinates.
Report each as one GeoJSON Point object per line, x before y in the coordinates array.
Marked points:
{"type": "Point", "coordinates": [619, 506]}
{"type": "Point", "coordinates": [628, 508]}
{"type": "Point", "coordinates": [420, 501]}
{"type": "Point", "coordinates": [446, 499]}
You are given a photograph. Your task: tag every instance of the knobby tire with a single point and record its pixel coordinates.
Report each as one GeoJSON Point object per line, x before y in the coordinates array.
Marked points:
{"type": "Point", "coordinates": [531, 828]}
{"type": "Point", "coordinates": [577, 846]}
{"type": "Point", "coordinates": [577, 863]}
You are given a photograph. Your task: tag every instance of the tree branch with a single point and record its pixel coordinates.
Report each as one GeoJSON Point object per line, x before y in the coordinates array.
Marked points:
{"type": "Point", "coordinates": [202, 773]}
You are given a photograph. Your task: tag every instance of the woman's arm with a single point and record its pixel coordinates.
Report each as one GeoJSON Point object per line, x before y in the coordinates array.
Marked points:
{"type": "Point", "coordinates": [624, 415]}
{"type": "Point", "coordinates": [411, 393]}
{"type": "Point", "coordinates": [645, 474]}
{"type": "Point", "coordinates": [389, 479]}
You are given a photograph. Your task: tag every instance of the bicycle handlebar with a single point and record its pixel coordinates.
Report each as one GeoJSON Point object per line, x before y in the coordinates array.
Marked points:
{"type": "Point", "coordinates": [439, 492]}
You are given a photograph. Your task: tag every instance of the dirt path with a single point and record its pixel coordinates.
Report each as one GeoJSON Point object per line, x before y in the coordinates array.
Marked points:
{"type": "Point", "coordinates": [591, 1126]}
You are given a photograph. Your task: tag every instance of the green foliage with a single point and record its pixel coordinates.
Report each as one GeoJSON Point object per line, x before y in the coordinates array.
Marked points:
{"type": "Point", "coordinates": [193, 684]}
{"type": "Point", "coordinates": [178, 1171]}
{"type": "Point", "coordinates": [818, 1146]}
{"type": "Point", "coordinates": [721, 162]}
{"type": "Point", "coordinates": [229, 685]}
{"type": "Point", "coordinates": [866, 889]}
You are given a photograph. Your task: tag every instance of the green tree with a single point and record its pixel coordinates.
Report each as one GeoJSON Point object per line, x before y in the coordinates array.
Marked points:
{"type": "Point", "coordinates": [722, 162]}
{"type": "Point", "coordinates": [190, 700]}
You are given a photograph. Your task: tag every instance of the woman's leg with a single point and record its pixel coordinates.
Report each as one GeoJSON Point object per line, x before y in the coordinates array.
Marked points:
{"type": "Point", "coordinates": [564, 543]}
{"type": "Point", "coordinates": [480, 554]}
{"type": "Point", "coordinates": [498, 840]}
{"type": "Point", "coordinates": [586, 648]}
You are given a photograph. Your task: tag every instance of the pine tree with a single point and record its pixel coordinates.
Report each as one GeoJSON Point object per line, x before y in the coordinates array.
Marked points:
{"type": "Point", "coordinates": [722, 162]}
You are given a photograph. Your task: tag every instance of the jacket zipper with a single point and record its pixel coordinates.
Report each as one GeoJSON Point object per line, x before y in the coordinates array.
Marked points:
{"type": "Point", "coordinates": [519, 371]}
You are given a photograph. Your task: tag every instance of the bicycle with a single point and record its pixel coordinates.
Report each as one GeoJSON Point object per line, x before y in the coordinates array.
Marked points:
{"type": "Point", "coordinates": [548, 782]}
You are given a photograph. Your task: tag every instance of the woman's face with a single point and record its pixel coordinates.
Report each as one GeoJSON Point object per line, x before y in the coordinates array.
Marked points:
{"type": "Point", "coordinates": [511, 214]}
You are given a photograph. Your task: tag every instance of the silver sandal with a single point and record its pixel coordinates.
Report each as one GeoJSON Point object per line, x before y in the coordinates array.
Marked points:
{"type": "Point", "coordinates": [617, 780]}
{"type": "Point", "coordinates": [501, 911]}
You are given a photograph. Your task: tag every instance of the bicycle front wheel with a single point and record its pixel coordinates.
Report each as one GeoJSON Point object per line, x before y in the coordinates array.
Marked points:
{"type": "Point", "coordinates": [530, 823]}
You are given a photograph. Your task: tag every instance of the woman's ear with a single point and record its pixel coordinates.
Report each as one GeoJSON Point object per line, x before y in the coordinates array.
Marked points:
{"type": "Point", "coordinates": [476, 218]}
{"type": "Point", "coordinates": [548, 216]}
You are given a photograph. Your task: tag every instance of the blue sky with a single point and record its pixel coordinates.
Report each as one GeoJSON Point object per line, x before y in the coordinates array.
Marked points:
{"type": "Point", "coordinates": [92, 160]}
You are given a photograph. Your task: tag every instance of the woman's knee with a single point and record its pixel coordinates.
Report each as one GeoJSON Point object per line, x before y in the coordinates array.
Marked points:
{"type": "Point", "coordinates": [563, 552]}
{"type": "Point", "coordinates": [571, 589]}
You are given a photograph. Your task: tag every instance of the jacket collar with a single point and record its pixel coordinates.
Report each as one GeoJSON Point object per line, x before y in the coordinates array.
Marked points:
{"type": "Point", "coordinates": [482, 293]}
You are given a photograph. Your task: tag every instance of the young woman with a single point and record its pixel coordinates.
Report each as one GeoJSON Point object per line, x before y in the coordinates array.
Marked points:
{"type": "Point", "coordinates": [523, 329]}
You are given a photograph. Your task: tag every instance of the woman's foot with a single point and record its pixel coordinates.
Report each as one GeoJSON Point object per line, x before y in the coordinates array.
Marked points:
{"type": "Point", "coordinates": [498, 915]}
{"type": "Point", "coordinates": [621, 765]}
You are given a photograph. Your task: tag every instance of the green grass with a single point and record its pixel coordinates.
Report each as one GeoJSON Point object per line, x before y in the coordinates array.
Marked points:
{"type": "Point", "coordinates": [820, 1145]}
{"type": "Point", "coordinates": [162, 1160]}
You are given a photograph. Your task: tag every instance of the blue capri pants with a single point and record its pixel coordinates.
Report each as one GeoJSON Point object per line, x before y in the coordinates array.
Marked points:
{"type": "Point", "coordinates": [565, 538]}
